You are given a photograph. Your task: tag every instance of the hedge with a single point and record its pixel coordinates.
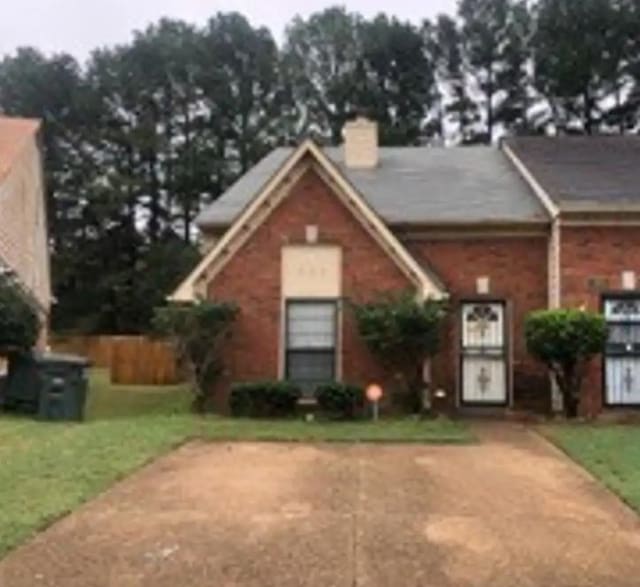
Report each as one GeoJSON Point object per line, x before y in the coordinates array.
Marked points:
{"type": "Point", "coordinates": [340, 400]}
{"type": "Point", "coordinates": [264, 399]}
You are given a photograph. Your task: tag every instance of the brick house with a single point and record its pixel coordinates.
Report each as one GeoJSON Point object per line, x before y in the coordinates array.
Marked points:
{"type": "Point", "coordinates": [24, 252]}
{"type": "Point", "coordinates": [498, 232]}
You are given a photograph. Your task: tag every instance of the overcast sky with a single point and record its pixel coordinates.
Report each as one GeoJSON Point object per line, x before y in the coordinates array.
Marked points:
{"type": "Point", "coordinates": [78, 26]}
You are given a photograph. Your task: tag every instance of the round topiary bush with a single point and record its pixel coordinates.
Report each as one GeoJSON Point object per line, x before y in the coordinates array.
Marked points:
{"type": "Point", "coordinates": [566, 340]}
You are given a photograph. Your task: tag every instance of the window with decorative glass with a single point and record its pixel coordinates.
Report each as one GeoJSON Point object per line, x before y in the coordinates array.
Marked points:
{"type": "Point", "coordinates": [311, 342]}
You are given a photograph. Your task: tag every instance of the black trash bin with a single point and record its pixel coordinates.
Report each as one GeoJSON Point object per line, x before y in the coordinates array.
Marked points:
{"type": "Point", "coordinates": [48, 385]}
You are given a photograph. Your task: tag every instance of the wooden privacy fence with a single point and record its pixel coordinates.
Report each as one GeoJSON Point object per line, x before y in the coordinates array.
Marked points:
{"type": "Point", "coordinates": [132, 360]}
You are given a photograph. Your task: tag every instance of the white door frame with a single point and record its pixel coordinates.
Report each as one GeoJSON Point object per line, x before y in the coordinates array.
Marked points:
{"type": "Point", "coordinates": [626, 355]}
{"type": "Point", "coordinates": [500, 353]}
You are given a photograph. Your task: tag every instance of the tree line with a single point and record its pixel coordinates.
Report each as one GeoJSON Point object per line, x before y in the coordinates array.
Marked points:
{"type": "Point", "coordinates": [142, 135]}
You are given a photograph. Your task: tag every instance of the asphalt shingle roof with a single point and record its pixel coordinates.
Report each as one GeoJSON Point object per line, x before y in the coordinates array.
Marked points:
{"type": "Point", "coordinates": [411, 185]}
{"type": "Point", "coordinates": [582, 172]}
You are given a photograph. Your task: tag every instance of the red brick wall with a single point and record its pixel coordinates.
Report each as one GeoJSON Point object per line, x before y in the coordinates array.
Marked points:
{"type": "Point", "coordinates": [592, 260]}
{"type": "Point", "coordinates": [517, 268]}
{"type": "Point", "coordinates": [252, 280]}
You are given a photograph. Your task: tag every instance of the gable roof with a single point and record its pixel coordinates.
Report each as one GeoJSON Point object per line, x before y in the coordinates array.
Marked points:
{"type": "Point", "coordinates": [411, 185]}
{"type": "Point", "coordinates": [277, 187]}
{"type": "Point", "coordinates": [583, 173]}
{"type": "Point", "coordinates": [14, 134]}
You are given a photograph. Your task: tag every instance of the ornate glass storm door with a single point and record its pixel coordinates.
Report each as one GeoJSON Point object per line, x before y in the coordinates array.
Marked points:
{"type": "Point", "coordinates": [622, 353]}
{"type": "Point", "coordinates": [484, 354]}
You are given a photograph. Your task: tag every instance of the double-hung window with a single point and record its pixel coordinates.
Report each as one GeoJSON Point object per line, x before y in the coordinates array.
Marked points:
{"type": "Point", "coordinates": [311, 342]}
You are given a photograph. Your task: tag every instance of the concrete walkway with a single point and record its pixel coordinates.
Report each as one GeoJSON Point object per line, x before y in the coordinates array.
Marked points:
{"type": "Point", "coordinates": [508, 512]}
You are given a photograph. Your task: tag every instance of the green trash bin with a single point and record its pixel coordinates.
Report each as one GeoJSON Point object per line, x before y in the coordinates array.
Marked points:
{"type": "Point", "coordinates": [48, 385]}
{"type": "Point", "coordinates": [22, 385]}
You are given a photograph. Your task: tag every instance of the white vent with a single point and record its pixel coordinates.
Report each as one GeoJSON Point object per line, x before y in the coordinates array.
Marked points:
{"type": "Point", "coordinates": [483, 285]}
{"type": "Point", "coordinates": [311, 234]}
{"type": "Point", "coordinates": [628, 280]}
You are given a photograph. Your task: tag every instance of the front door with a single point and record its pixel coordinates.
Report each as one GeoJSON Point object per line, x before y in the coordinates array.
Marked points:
{"type": "Point", "coordinates": [622, 353]}
{"type": "Point", "coordinates": [484, 354]}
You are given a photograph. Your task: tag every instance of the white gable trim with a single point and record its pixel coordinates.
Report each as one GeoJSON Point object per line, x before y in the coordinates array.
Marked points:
{"type": "Point", "coordinates": [554, 247]}
{"type": "Point", "coordinates": [272, 193]}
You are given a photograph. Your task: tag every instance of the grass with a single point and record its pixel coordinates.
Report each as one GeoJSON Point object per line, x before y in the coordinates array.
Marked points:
{"type": "Point", "coordinates": [392, 430]}
{"type": "Point", "coordinates": [608, 451]}
{"type": "Point", "coordinates": [48, 469]}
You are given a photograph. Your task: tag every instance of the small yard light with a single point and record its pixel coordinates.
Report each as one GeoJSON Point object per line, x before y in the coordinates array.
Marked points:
{"type": "Point", "coordinates": [374, 395]}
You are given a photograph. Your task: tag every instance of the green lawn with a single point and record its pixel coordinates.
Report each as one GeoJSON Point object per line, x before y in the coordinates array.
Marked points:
{"type": "Point", "coordinates": [47, 469]}
{"type": "Point", "coordinates": [610, 452]}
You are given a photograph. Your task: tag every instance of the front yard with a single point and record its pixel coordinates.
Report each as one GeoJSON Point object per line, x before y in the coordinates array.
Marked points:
{"type": "Point", "coordinates": [609, 452]}
{"type": "Point", "coordinates": [46, 470]}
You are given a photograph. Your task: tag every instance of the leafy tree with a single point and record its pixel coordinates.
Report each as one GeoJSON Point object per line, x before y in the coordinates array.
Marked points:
{"type": "Point", "coordinates": [19, 322]}
{"type": "Point", "coordinates": [580, 52]}
{"type": "Point", "coordinates": [198, 333]}
{"type": "Point", "coordinates": [494, 43]}
{"type": "Point", "coordinates": [402, 332]}
{"type": "Point", "coordinates": [623, 68]}
{"type": "Point", "coordinates": [565, 341]}
{"type": "Point", "coordinates": [513, 79]}
{"type": "Point", "coordinates": [458, 110]}
{"type": "Point", "coordinates": [400, 82]}
{"type": "Point", "coordinates": [109, 274]}
{"type": "Point", "coordinates": [241, 89]}
{"type": "Point", "coordinates": [341, 64]}
{"type": "Point", "coordinates": [483, 35]}
{"type": "Point", "coordinates": [323, 55]}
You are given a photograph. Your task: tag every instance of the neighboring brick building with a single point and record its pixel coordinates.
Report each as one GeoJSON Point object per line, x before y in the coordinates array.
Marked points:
{"type": "Point", "coordinates": [493, 230]}
{"type": "Point", "coordinates": [24, 252]}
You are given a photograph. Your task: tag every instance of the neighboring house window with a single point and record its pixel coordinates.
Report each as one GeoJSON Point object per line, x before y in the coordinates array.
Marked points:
{"type": "Point", "coordinates": [311, 342]}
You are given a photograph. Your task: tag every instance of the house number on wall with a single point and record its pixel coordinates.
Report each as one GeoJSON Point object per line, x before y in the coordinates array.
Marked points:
{"type": "Point", "coordinates": [312, 271]}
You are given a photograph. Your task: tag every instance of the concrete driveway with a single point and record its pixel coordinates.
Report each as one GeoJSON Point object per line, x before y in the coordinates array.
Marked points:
{"type": "Point", "coordinates": [510, 511]}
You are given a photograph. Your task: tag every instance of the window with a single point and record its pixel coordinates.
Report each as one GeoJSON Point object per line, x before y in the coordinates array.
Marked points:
{"type": "Point", "coordinates": [311, 342]}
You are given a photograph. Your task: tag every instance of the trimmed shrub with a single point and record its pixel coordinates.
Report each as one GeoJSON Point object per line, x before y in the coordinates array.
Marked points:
{"type": "Point", "coordinates": [264, 399]}
{"type": "Point", "coordinates": [402, 332]}
{"type": "Point", "coordinates": [565, 341]}
{"type": "Point", "coordinates": [198, 333]}
{"type": "Point", "coordinates": [340, 400]}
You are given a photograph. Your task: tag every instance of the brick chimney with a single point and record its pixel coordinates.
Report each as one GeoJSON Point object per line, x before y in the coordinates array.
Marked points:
{"type": "Point", "coordinates": [361, 143]}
